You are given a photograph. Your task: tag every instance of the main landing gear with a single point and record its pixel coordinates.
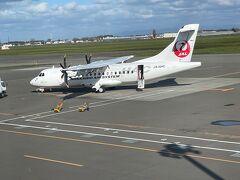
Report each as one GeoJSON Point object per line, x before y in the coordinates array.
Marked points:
{"type": "Point", "coordinates": [101, 90]}
{"type": "Point", "coordinates": [97, 87]}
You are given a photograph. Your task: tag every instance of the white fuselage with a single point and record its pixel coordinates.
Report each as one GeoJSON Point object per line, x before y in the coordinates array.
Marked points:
{"type": "Point", "coordinates": [114, 75]}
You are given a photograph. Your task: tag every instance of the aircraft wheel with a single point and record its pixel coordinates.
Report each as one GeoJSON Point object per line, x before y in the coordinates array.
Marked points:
{"type": "Point", "coordinates": [101, 90]}
{"type": "Point", "coordinates": [41, 90]}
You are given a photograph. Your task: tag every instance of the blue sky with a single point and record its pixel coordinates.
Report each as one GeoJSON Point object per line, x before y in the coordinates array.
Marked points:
{"type": "Point", "coordinates": [43, 19]}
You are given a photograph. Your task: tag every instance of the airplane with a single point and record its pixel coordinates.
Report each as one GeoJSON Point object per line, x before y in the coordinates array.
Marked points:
{"type": "Point", "coordinates": [99, 75]}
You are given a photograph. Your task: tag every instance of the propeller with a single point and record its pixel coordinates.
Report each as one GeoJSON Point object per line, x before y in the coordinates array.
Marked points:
{"type": "Point", "coordinates": [64, 73]}
{"type": "Point", "coordinates": [88, 59]}
{"type": "Point", "coordinates": [64, 66]}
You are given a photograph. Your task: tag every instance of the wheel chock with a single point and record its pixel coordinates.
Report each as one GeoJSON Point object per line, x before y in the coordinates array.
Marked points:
{"type": "Point", "coordinates": [58, 108]}
{"type": "Point", "coordinates": [84, 107]}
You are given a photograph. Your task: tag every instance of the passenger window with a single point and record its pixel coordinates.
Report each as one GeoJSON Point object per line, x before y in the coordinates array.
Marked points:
{"type": "Point", "coordinates": [132, 72]}
{"type": "Point", "coordinates": [115, 72]}
{"type": "Point", "coordinates": [127, 72]}
{"type": "Point", "coordinates": [123, 72]}
{"type": "Point", "coordinates": [120, 72]}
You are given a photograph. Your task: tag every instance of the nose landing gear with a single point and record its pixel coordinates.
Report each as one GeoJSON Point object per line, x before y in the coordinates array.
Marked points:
{"type": "Point", "coordinates": [42, 90]}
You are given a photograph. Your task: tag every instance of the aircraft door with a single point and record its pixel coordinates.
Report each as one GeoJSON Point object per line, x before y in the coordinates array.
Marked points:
{"type": "Point", "coordinates": [141, 83]}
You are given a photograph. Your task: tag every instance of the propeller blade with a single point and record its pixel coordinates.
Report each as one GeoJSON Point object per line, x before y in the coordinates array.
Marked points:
{"type": "Point", "coordinates": [86, 57]}
{"type": "Point", "coordinates": [89, 59]}
{"type": "Point", "coordinates": [62, 66]}
{"type": "Point", "coordinates": [66, 79]}
{"type": "Point", "coordinates": [64, 61]}
{"type": "Point", "coordinates": [65, 76]}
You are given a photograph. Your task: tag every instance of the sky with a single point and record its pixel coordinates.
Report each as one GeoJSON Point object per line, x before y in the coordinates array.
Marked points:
{"type": "Point", "coordinates": [62, 19]}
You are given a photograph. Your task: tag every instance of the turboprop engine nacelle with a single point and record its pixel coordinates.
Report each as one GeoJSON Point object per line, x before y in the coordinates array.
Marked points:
{"type": "Point", "coordinates": [71, 73]}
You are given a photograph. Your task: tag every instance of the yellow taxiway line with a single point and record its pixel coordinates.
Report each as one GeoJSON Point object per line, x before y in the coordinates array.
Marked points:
{"type": "Point", "coordinates": [223, 90]}
{"type": "Point", "coordinates": [113, 145]}
{"type": "Point", "coordinates": [215, 159]}
{"type": "Point", "coordinates": [52, 160]}
{"type": "Point", "coordinates": [6, 114]}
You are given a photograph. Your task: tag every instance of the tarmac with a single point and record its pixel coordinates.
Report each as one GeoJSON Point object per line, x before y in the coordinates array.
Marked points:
{"type": "Point", "coordinates": [170, 130]}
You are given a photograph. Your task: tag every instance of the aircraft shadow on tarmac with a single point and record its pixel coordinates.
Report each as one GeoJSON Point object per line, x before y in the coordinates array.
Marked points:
{"type": "Point", "coordinates": [68, 93]}
{"type": "Point", "coordinates": [178, 151]}
{"type": "Point", "coordinates": [162, 83]}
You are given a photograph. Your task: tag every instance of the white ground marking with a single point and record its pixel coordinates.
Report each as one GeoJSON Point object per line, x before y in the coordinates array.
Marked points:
{"type": "Point", "coordinates": [98, 102]}
{"type": "Point", "coordinates": [236, 155]}
{"type": "Point", "coordinates": [104, 104]}
{"type": "Point", "coordinates": [120, 137]}
{"type": "Point", "coordinates": [27, 116]}
{"type": "Point", "coordinates": [136, 132]}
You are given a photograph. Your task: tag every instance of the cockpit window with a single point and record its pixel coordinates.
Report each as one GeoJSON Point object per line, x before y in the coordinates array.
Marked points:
{"type": "Point", "coordinates": [41, 74]}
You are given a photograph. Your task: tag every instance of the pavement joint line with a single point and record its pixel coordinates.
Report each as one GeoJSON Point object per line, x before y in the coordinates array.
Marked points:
{"type": "Point", "coordinates": [53, 161]}
{"type": "Point", "coordinates": [121, 137]}
{"type": "Point", "coordinates": [113, 145]}
{"type": "Point", "coordinates": [132, 131]}
{"type": "Point", "coordinates": [227, 74]}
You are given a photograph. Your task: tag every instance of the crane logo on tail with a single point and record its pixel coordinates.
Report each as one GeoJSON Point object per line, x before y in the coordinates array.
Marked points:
{"type": "Point", "coordinates": [181, 49]}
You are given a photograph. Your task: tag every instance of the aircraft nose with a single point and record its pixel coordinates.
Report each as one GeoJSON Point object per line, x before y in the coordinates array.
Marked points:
{"type": "Point", "coordinates": [33, 82]}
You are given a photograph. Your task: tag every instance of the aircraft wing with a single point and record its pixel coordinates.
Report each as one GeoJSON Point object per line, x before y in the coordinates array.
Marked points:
{"type": "Point", "coordinates": [98, 64]}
